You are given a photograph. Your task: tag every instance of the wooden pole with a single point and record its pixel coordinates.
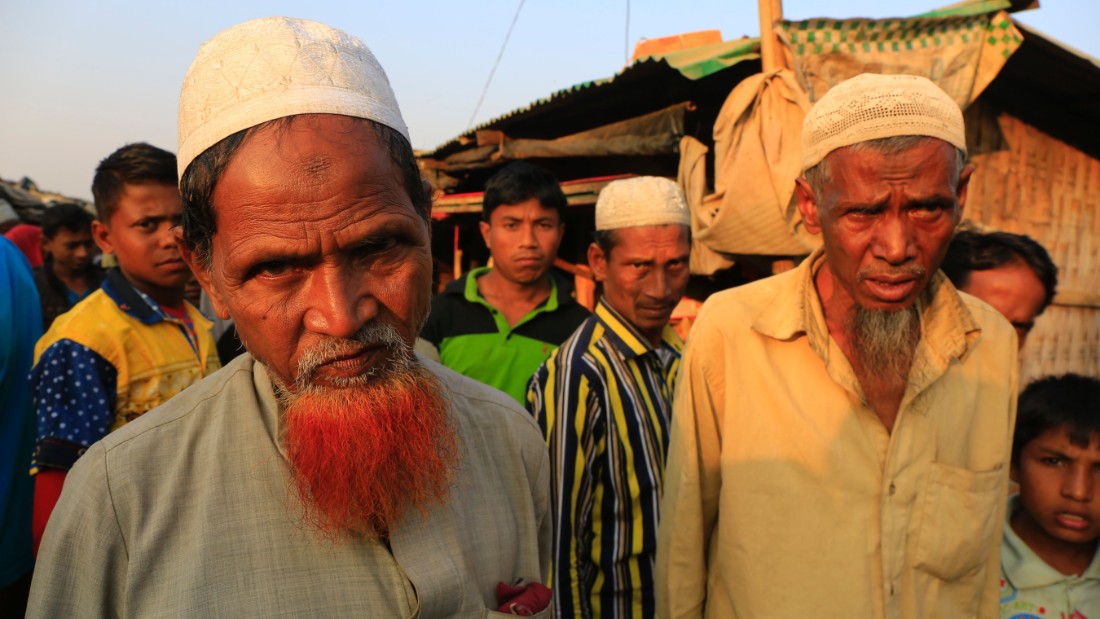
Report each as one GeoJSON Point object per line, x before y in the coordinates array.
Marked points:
{"type": "Point", "coordinates": [457, 257]}
{"type": "Point", "coordinates": [771, 50]}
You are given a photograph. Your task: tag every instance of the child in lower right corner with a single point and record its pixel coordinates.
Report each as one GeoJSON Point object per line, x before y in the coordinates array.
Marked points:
{"type": "Point", "coordinates": [1050, 566]}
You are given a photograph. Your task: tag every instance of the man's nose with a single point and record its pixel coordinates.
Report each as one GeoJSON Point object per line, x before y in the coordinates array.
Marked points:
{"type": "Point", "coordinates": [658, 285]}
{"type": "Point", "coordinates": [337, 303]}
{"type": "Point", "coordinates": [1078, 483]}
{"type": "Point", "coordinates": [894, 240]}
{"type": "Point", "coordinates": [166, 237]}
{"type": "Point", "coordinates": [527, 236]}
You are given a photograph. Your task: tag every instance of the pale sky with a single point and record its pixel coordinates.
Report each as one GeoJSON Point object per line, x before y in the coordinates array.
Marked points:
{"type": "Point", "coordinates": [79, 79]}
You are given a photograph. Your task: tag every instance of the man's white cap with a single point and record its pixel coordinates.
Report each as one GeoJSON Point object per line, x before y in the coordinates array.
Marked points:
{"type": "Point", "coordinates": [871, 106]}
{"type": "Point", "coordinates": [273, 67]}
{"type": "Point", "coordinates": [641, 201]}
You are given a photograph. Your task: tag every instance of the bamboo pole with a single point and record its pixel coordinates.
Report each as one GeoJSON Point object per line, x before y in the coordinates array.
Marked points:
{"type": "Point", "coordinates": [771, 50]}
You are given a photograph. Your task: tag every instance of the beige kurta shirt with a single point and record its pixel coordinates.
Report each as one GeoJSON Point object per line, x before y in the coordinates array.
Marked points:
{"type": "Point", "coordinates": [785, 497]}
{"type": "Point", "coordinates": [186, 513]}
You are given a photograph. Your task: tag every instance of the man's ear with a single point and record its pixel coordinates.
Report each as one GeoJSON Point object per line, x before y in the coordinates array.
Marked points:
{"type": "Point", "coordinates": [204, 276]}
{"type": "Point", "coordinates": [597, 261]}
{"type": "Point", "coordinates": [807, 205]}
{"type": "Point", "coordinates": [101, 234]}
{"type": "Point", "coordinates": [484, 227]}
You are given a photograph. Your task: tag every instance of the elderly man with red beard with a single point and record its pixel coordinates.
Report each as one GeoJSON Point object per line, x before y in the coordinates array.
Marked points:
{"type": "Point", "coordinates": [841, 432]}
{"type": "Point", "coordinates": [330, 472]}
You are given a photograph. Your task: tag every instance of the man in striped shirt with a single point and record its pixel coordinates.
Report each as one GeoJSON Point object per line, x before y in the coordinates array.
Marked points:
{"type": "Point", "coordinates": [603, 401]}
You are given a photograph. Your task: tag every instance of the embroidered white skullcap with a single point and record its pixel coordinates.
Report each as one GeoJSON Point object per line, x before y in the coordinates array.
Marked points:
{"type": "Point", "coordinates": [273, 67]}
{"type": "Point", "coordinates": [641, 201]}
{"type": "Point", "coordinates": [872, 106]}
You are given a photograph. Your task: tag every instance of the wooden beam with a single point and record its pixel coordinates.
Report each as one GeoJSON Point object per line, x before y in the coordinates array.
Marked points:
{"type": "Point", "coordinates": [771, 50]}
{"type": "Point", "coordinates": [1077, 298]}
{"type": "Point", "coordinates": [576, 194]}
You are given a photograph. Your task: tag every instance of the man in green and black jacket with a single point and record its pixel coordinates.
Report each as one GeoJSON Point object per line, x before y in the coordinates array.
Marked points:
{"type": "Point", "coordinates": [498, 324]}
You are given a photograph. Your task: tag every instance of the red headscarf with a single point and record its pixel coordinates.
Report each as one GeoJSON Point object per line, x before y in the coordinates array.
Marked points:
{"type": "Point", "coordinates": [28, 239]}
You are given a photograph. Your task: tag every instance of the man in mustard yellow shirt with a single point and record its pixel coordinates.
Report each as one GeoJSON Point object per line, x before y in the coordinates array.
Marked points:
{"type": "Point", "coordinates": [841, 432]}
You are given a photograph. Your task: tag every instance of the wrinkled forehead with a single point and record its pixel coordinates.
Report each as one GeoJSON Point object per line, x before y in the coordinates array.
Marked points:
{"type": "Point", "coordinates": [312, 150]}
{"type": "Point", "coordinates": [644, 242]}
{"type": "Point", "coordinates": [312, 168]}
{"type": "Point", "coordinates": [317, 140]}
{"type": "Point", "coordinates": [930, 163]}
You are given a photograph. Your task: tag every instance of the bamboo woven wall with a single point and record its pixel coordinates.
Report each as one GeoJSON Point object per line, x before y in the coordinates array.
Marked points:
{"type": "Point", "coordinates": [1030, 183]}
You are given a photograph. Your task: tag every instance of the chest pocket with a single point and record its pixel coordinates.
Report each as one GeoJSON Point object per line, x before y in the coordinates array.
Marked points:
{"type": "Point", "coordinates": [956, 521]}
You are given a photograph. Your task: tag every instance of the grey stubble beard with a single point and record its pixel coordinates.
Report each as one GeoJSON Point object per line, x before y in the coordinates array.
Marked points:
{"type": "Point", "coordinates": [885, 341]}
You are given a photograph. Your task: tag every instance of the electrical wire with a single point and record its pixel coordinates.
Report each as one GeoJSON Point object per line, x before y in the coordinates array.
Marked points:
{"type": "Point", "coordinates": [626, 38]}
{"type": "Point", "coordinates": [500, 55]}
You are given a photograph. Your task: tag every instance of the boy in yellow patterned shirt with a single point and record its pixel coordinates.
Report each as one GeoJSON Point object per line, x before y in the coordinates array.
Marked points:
{"type": "Point", "coordinates": [131, 345]}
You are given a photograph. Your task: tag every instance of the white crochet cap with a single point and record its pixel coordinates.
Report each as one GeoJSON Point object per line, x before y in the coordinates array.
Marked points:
{"type": "Point", "coordinates": [641, 201]}
{"type": "Point", "coordinates": [273, 67]}
{"type": "Point", "coordinates": [871, 106]}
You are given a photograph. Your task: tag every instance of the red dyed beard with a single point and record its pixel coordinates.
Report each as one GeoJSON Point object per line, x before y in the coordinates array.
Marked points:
{"type": "Point", "coordinates": [362, 456]}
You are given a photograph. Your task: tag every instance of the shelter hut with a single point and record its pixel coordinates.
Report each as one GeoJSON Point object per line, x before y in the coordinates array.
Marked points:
{"type": "Point", "coordinates": [30, 202]}
{"type": "Point", "coordinates": [588, 135]}
{"type": "Point", "coordinates": [1032, 107]}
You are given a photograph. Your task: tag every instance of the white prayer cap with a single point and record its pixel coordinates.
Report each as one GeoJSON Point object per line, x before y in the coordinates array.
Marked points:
{"type": "Point", "coordinates": [273, 67]}
{"type": "Point", "coordinates": [641, 201]}
{"type": "Point", "coordinates": [871, 106]}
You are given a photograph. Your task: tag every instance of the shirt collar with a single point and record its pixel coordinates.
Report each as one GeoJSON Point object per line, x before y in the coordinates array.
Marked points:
{"type": "Point", "coordinates": [1023, 568]}
{"type": "Point", "coordinates": [471, 293]}
{"type": "Point", "coordinates": [948, 329]}
{"type": "Point", "coordinates": [142, 307]}
{"type": "Point", "coordinates": [268, 397]}
{"type": "Point", "coordinates": [130, 299]}
{"type": "Point", "coordinates": [627, 340]}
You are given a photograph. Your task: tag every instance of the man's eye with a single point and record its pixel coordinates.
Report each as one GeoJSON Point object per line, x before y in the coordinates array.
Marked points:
{"type": "Point", "coordinates": [272, 269]}
{"type": "Point", "coordinates": [377, 246]}
{"type": "Point", "coordinates": [1052, 461]}
{"type": "Point", "coordinates": [927, 211]}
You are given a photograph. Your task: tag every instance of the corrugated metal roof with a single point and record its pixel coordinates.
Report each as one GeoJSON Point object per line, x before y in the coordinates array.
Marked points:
{"type": "Point", "coordinates": [1045, 83]}
{"type": "Point", "coordinates": [691, 64]}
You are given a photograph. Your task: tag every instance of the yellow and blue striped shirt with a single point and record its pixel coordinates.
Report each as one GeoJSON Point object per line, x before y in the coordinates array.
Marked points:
{"type": "Point", "coordinates": [604, 401]}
